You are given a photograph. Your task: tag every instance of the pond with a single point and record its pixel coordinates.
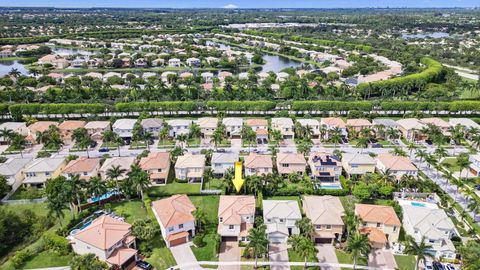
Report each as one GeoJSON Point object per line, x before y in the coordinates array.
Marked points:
{"type": "Point", "coordinates": [276, 63]}
{"type": "Point", "coordinates": [426, 35]}
{"type": "Point", "coordinates": [7, 66]}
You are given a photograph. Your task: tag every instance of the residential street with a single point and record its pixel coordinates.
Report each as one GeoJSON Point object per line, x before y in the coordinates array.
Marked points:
{"type": "Point", "coordinates": [278, 253]}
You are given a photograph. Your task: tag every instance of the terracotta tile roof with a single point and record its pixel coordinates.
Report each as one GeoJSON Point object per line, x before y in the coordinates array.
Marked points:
{"type": "Point", "coordinates": [104, 232]}
{"type": "Point", "coordinates": [71, 125]}
{"type": "Point", "coordinates": [176, 236]}
{"type": "Point", "coordinates": [374, 235]}
{"type": "Point", "coordinates": [261, 131]}
{"type": "Point", "coordinates": [121, 255]}
{"type": "Point", "coordinates": [333, 121]}
{"type": "Point", "coordinates": [439, 122]}
{"type": "Point", "coordinates": [190, 161]}
{"type": "Point", "coordinates": [410, 123]}
{"type": "Point", "coordinates": [174, 210]}
{"type": "Point", "coordinates": [256, 122]}
{"type": "Point", "coordinates": [97, 125]}
{"type": "Point", "coordinates": [291, 159]}
{"type": "Point", "coordinates": [82, 164]}
{"type": "Point", "coordinates": [158, 160]}
{"type": "Point", "coordinates": [231, 208]}
{"type": "Point", "coordinates": [358, 122]}
{"type": "Point", "coordinates": [207, 122]}
{"type": "Point", "coordinates": [377, 214]}
{"type": "Point", "coordinates": [321, 210]}
{"type": "Point", "coordinates": [396, 163]}
{"type": "Point", "coordinates": [254, 160]}
{"type": "Point", "coordinates": [41, 126]}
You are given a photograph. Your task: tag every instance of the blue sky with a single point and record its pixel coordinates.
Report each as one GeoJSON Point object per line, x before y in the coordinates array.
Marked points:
{"type": "Point", "coordinates": [244, 3]}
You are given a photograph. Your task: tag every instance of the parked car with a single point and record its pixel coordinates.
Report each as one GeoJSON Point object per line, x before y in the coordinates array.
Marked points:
{"type": "Point", "coordinates": [144, 265]}
{"type": "Point", "coordinates": [93, 144]}
{"type": "Point", "coordinates": [477, 186]}
{"type": "Point", "coordinates": [438, 266]}
{"type": "Point", "coordinates": [428, 266]}
{"type": "Point", "coordinates": [450, 267]}
{"type": "Point", "coordinates": [103, 150]}
{"type": "Point", "coordinates": [377, 145]}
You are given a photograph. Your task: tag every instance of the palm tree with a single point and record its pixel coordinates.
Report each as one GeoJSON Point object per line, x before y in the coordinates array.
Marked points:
{"type": "Point", "coordinates": [147, 137]}
{"type": "Point", "coordinates": [76, 187]}
{"type": "Point", "coordinates": [303, 246]}
{"type": "Point", "coordinates": [421, 154]}
{"type": "Point", "coordinates": [200, 218]}
{"type": "Point", "coordinates": [19, 142]}
{"type": "Point", "coordinates": [96, 187]}
{"type": "Point", "coordinates": [276, 135]}
{"type": "Point", "coordinates": [304, 147]}
{"type": "Point", "coordinates": [305, 226]}
{"type": "Point", "coordinates": [411, 146]}
{"type": "Point", "coordinates": [258, 244]}
{"type": "Point", "coordinates": [7, 135]}
{"type": "Point", "coordinates": [140, 179]}
{"type": "Point", "coordinates": [440, 152]}
{"type": "Point", "coordinates": [463, 163]}
{"type": "Point", "coordinates": [114, 172]}
{"type": "Point", "coordinates": [217, 137]}
{"type": "Point", "coordinates": [335, 136]}
{"type": "Point", "coordinates": [362, 143]}
{"type": "Point", "coordinates": [56, 208]}
{"type": "Point", "coordinates": [420, 250]}
{"type": "Point", "coordinates": [194, 131]}
{"type": "Point", "coordinates": [358, 245]}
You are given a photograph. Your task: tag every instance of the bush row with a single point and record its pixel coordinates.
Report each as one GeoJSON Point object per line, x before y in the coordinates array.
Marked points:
{"type": "Point", "coordinates": [329, 105]}
{"type": "Point", "coordinates": [17, 110]}
{"type": "Point", "coordinates": [156, 106]}
{"type": "Point", "coordinates": [242, 105]}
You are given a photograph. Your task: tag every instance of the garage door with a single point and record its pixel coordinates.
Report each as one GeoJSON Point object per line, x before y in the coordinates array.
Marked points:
{"type": "Point", "coordinates": [177, 242]}
{"type": "Point", "coordinates": [323, 240]}
{"type": "Point", "coordinates": [229, 239]}
{"type": "Point", "coordinates": [277, 239]}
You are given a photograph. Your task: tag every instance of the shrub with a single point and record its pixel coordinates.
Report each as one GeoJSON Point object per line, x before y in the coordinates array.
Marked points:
{"type": "Point", "coordinates": [261, 105]}
{"type": "Point", "coordinates": [56, 243]}
{"type": "Point", "coordinates": [19, 259]}
{"type": "Point", "coordinates": [198, 240]}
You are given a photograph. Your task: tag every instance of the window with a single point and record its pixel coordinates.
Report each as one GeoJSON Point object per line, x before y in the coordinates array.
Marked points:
{"type": "Point", "coordinates": [269, 220]}
{"type": "Point", "coordinates": [85, 173]}
{"type": "Point", "coordinates": [221, 219]}
{"type": "Point", "coordinates": [180, 226]}
{"type": "Point", "coordinates": [247, 218]}
{"type": "Point", "coordinates": [231, 227]}
{"type": "Point", "coordinates": [394, 228]}
{"type": "Point", "coordinates": [47, 173]}
{"type": "Point", "coordinates": [284, 165]}
{"type": "Point", "coordinates": [318, 227]}
{"type": "Point", "coordinates": [170, 229]}
{"type": "Point", "coordinates": [329, 227]}
{"type": "Point", "coordinates": [281, 220]}
{"type": "Point", "coordinates": [378, 225]}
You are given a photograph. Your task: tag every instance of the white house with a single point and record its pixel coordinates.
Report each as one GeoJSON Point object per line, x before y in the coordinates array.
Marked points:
{"type": "Point", "coordinates": [193, 62]}
{"type": "Point", "coordinates": [174, 62]}
{"type": "Point", "coordinates": [280, 217]}
{"type": "Point", "coordinates": [179, 127]}
{"type": "Point", "coordinates": [233, 126]}
{"type": "Point", "coordinates": [124, 128]}
{"type": "Point", "coordinates": [12, 169]}
{"type": "Point", "coordinates": [221, 162]}
{"type": "Point", "coordinates": [284, 125]}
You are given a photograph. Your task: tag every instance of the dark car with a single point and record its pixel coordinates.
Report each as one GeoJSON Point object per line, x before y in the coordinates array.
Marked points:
{"type": "Point", "coordinates": [477, 186]}
{"type": "Point", "coordinates": [103, 150]}
{"type": "Point", "coordinates": [144, 265]}
{"type": "Point", "coordinates": [377, 145]}
{"type": "Point", "coordinates": [93, 144]}
{"type": "Point", "coordinates": [450, 267]}
{"type": "Point", "coordinates": [438, 266]}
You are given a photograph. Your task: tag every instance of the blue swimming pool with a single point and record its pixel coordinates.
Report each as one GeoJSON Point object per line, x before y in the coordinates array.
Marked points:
{"type": "Point", "coordinates": [418, 204]}
{"type": "Point", "coordinates": [331, 187]}
{"type": "Point", "coordinates": [104, 196]}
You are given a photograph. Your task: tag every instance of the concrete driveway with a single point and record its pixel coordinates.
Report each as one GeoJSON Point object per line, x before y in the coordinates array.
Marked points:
{"type": "Point", "coordinates": [184, 256]}
{"type": "Point", "coordinates": [229, 252]}
{"type": "Point", "coordinates": [326, 254]}
{"type": "Point", "coordinates": [382, 259]}
{"type": "Point", "coordinates": [278, 253]}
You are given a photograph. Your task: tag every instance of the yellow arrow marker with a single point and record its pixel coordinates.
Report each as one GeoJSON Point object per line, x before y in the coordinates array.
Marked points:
{"type": "Point", "coordinates": [238, 181]}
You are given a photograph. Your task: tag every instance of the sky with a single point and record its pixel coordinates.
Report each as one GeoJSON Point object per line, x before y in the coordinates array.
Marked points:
{"type": "Point", "coordinates": [241, 3]}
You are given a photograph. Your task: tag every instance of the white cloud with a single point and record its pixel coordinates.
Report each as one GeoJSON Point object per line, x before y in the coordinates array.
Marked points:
{"type": "Point", "coordinates": [231, 6]}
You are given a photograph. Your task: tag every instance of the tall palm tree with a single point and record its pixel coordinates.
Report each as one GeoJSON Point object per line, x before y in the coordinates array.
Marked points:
{"type": "Point", "coordinates": [96, 187]}
{"type": "Point", "coordinates": [76, 187]}
{"type": "Point", "coordinates": [305, 226]}
{"type": "Point", "coordinates": [421, 154]}
{"type": "Point", "coordinates": [7, 135]}
{"type": "Point", "coordinates": [411, 146]}
{"type": "Point", "coordinates": [147, 137]}
{"type": "Point", "coordinates": [19, 142]}
{"type": "Point", "coordinates": [200, 218]}
{"type": "Point", "coordinates": [258, 244]}
{"type": "Point", "coordinates": [303, 246]}
{"type": "Point", "coordinates": [358, 245]}
{"type": "Point", "coordinates": [140, 179]}
{"type": "Point", "coordinates": [420, 250]}
{"type": "Point", "coordinates": [56, 208]}
{"type": "Point", "coordinates": [114, 172]}
{"type": "Point", "coordinates": [441, 152]}
{"type": "Point", "coordinates": [362, 143]}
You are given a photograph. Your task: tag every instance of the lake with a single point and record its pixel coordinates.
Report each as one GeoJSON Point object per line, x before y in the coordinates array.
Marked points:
{"type": "Point", "coordinates": [7, 66]}
{"type": "Point", "coordinates": [276, 63]}
{"type": "Point", "coordinates": [426, 35]}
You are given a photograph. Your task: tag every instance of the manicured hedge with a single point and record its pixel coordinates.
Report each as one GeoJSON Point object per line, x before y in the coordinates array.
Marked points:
{"type": "Point", "coordinates": [330, 105]}
{"type": "Point", "coordinates": [18, 110]}
{"type": "Point", "coordinates": [156, 106]}
{"type": "Point", "coordinates": [3, 108]}
{"type": "Point", "coordinates": [453, 106]}
{"type": "Point", "coordinates": [414, 82]}
{"type": "Point", "coordinates": [261, 105]}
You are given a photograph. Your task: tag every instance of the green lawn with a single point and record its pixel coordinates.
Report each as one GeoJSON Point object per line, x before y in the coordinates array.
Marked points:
{"type": "Point", "coordinates": [251, 267]}
{"type": "Point", "coordinates": [173, 188]}
{"type": "Point", "coordinates": [166, 143]}
{"type": "Point", "coordinates": [109, 145]}
{"type": "Point", "coordinates": [295, 257]}
{"type": "Point", "coordinates": [451, 164]}
{"type": "Point", "coordinates": [138, 145]}
{"type": "Point", "coordinates": [346, 258]}
{"type": "Point", "coordinates": [193, 142]}
{"type": "Point", "coordinates": [47, 259]}
{"type": "Point", "coordinates": [161, 257]}
{"type": "Point", "coordinates": [209, 205]}
{"type": "Point", "coordinates": [38, 208]}
{"type": "Point", "coordinates": [213, 183]}
{"type": "Point", "coordinates": [130, 210]}
{"type": "Point", "coordinates": [29, 193]}
{"type": "Point", "coordinates": [406, 262]}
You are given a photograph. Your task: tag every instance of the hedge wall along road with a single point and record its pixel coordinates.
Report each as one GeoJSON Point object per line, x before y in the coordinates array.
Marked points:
{"type": "Point", "coordinates": [414, 82]}
{"type": "Point", "coordinates": [156, 106]}
{"type": "Point", "coordinates": [261, 105]}
{"type": "Point", "coordinates": [329, 105]}
{"type": "Point", "coordinates": [18, 110]}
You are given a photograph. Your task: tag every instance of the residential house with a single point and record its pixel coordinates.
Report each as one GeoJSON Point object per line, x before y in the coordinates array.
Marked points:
{"type": "Point", "coordinates": [396, 165]}
{"type": "Point", "coordinates": [175, 216]}
{"type": "Point", "coordinates": [174, 62]}
{"type": "Point", "coordinates": [280, 217]}
{"type": "Point", "coordinates": [152, 125]}
{"type": "Point", "coordinates": [326, 214]}
{"type": "Point", "coordinates": [13, 171]}
{"type": "Point", "coordinates": [380, 222]}
{"type": "Point", "coordinates": [236, 215]}
{"type": "Point", "coordinates": [464, 122]}
{"type": "Point", "coordinates": [312, 125]}
{"type": "Point", "coordinates": [358, 164]}
{"type": "Point", "coordinates": [124, 128]}
{"type": "Point", "coordinates": [190, 167]}
{"type": "Point", "coordinates": [109, 239]}
{"type": "Point", "coordinates": [474, 170]}
{"type": "Point", "coordinates": [96, 129]}
{"type": "Point", "coordinates": [40, 170]}
{"type": "Point", "coordinates": [68, 127]}
{"type": "Point", "coordinates": [256, 164]}
{"type": "Point", "coordinates": [179, 127]}
{"type": "Point", "coordinates": [334, 123]}
{"type": "Point", "coordinates": [221, 162]}
{"type": "Point", "coordinates": [39, 126]}
{"type": "Point", "coordinates": [207, 76]}
{"type": "Point", "coordinates": [260, 126]}
{"type": "Point", "coordinates": [432, 225]}
{"type": "Point", "coordinates": [410, 129]}
{"type": "Point", "coordinates": [288, 163]}
{"type": "Point", "coordinates": [358, 125]}
{"type": "Point", "coordinates": [438, 122]}
{"type": "Point", "coordinates": [157, 165]}
{"type": "Point", "coordinates": [233, 127]}
{"type": "Point", "coordinates": [325, 168]}
{"type": "Point", "coordinates": [285, 126]}
{"type": "Point", "coordinates": [382, 125]}
{"type": "Point", "coordinates": [207, 126]}
{"type": "Point", "coordinates": [17, 127]}
{"type": "Point", "coordinates": [193, 62]}
{"type": "Point", "coordinates": [125, 163]}
{"type": "Point", "coordinates": [84, 167]}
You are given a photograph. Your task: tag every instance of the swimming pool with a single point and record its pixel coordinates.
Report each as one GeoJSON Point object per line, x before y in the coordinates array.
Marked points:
{"type": "Point", "coordinates": [418, 204]}
{"type": "Point", "coordinates": [330, 186]}
{"type": "Point", "coordinates": [104, 196]}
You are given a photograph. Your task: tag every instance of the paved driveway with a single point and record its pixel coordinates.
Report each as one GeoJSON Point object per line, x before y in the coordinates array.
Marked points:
{"type": "Point", "coordinates": [382, 259]}
{"type": "Point", "coordinates": [326, 254]}
{"type": "Point", "coordinates": [278, 253]}
{"type": "Point", "coordinates": [184, 256]}
{"type": "Point", "coordinates": [229, 252]}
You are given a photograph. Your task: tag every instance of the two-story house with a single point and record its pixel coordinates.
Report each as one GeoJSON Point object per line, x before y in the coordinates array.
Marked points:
{"type": "Point", "coordinates": [68, 127]}
{"type": "Point", "coordinates": [288, 163]}
{"type": "Point", "coordinates": [410, 129]}
{"type": "Point", "coordinates": [17, 127]}
{"type": "Point", "coordinates": [84, 167]}
{"type": "Point", "coordinates": [12, 170]}
{"type": "Point", "coordinates": [175, 216]}
{"type": "Point", "coordinates": [124, 163]}
{"type": "Point", "coordinates": [474, 169]}
{"type": "Point", "coordinates": [325, 168]}
{"type": "Point", "coordinates": [312, 125]}
{"type": "Point", "coordinates": [332, 125]}
{"type": "Point", "coordinates": [358, 164]}
{"type": "Point", "coordinates": [325, 213]}
{"type": "Point", "coordinates": [256, 164]}
{"type": "Point", "coordinates": [432, 224]}
{"type": "Point", "coordinates": [441, 124]}
{"type": "Point", "coordinates": [40, 170]}
{"type": "Point", "coordinates": [280, 217]}
{"type": "Point", "coordinates": [260, 126]}
{"type": "Point", "coordinates": [109, 239]}
{"type": "Point", "coordinates": [124, 128]}
{"type": "Point", "coordinates": [207, 126]}
{"type": "Point", "coordinates": [396, 165]}
{"type": "Point", "coordinates": [174, 62]}
{"type": "Point", "coordinates": [96, 129]}
{"type": "Point", "coordinates": [152, 125]}
{"type": "Point", "coordinates": [190, 167]}
{"type": "Point", "coordinates": [38, 127]}
{"type": "Point", "coordinates": [157, 164]}
{"type": "Point", "coordinates": [285, 126]}
{"type": "Point", "coordinates": [358, 125]}
{"type": "Point", "coordinates": [380, 222]}
{"type": "Point", "coordinates": [179, 127]}
{"type": "Point", "coordinates": [233, 127]}
{"type": "Point", "coordinates": [236, 215]}
{"type": "Point", "coordinates": [221, 162]}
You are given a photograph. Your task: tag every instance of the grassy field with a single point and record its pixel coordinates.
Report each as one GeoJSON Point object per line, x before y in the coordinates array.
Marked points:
{"type": "Point", "coordinates": [161, 257]}
{"type": "Point", "coordinates": [346, 258]}
{"type": "Point", "coordinates": [451, 164]}
{"type": "Point", "coordinates": [166, 143]}
{"type": "Point", "coordinates": [251, 267]}
{"type": "Point", "coordinates": [213, 183]}
{"type": "Point", "coordinates": [295, 257]}
{"type": "Point", "coordinates": [209, 206]}
{"type": "Point", "coordinates": [405, 262]}
{"type": "Point", "coordinates": [130, 210]}
{"type": "Point", "coordinates": [173, 188]}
